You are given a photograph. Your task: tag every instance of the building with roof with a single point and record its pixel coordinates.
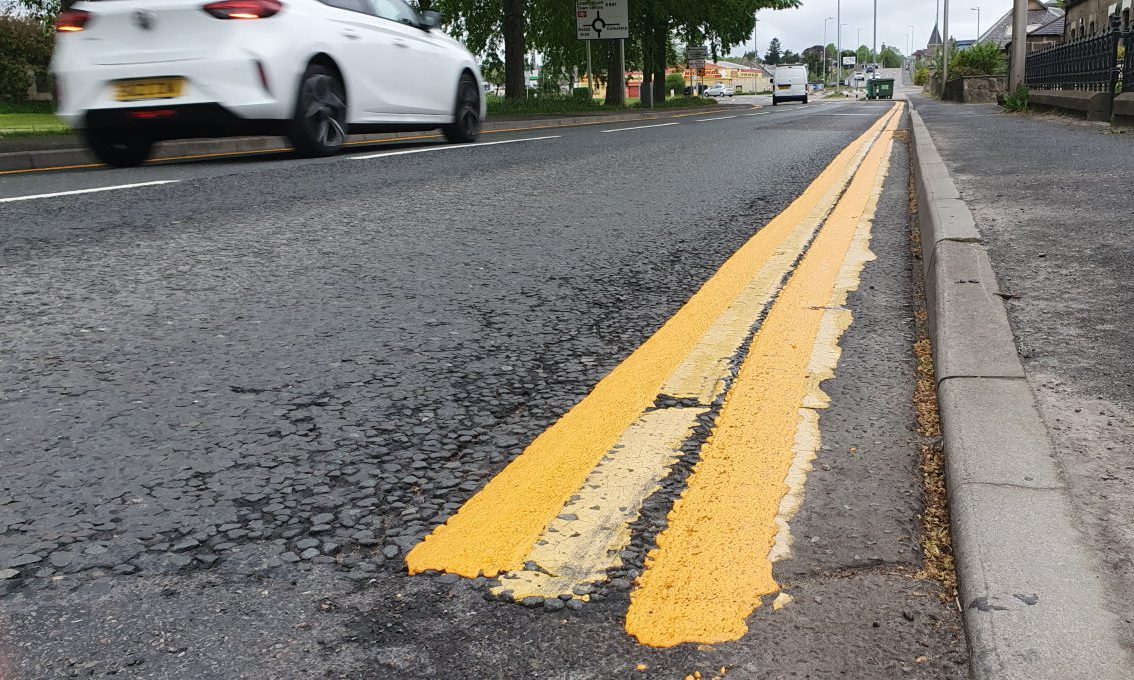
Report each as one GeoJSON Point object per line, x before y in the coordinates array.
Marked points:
{"type": "Point", "coordinates": [1044, 27]}
{"type": "Point", "coordinates": [1092, 17]}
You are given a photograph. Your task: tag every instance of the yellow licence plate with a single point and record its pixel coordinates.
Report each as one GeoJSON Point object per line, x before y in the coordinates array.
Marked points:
{"type": "Point", "coordinates": [785, 87]}
{"type": "Point", "coordinates": [154, 88]}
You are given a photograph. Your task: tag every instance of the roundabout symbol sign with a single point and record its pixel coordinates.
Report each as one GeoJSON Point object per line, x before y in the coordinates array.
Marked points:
{"type": "Point", "coordinates": [602, 19]}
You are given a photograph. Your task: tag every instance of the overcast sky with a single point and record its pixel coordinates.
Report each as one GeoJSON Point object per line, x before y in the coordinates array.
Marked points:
{"type": "Point", "coordinates": [800, 28]}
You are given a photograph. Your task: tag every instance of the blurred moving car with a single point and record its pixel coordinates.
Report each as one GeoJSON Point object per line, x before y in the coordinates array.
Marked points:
{"type": "Point", "coordinates": [129, 73]}
{"type": "Point", "coordinates": [720, 90]}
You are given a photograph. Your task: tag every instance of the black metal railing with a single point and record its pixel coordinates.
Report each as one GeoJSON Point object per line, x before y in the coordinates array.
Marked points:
{"type": "Point", "coordinates": [1128, 62]}
{"type": "Point", "coordinates": [1088, 64]}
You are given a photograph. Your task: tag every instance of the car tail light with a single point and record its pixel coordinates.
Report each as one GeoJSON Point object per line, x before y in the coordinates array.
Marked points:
{"type": "Point", "coordinates": [72, 21]}
{"type": "Point", "coordinates": [244, 9]}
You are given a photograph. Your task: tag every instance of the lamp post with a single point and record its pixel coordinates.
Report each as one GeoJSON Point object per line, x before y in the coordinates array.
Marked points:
{"type": "Point", "coordinates": [839, 45]}
{"type": "Point", "coordinates": [874, 44]}
{"type": "Point", "coordinates": [755, 39]}
{"type": "Point", "coordinates": [977, 10]}
{"type": "Point", "coordinates": [826, 58]}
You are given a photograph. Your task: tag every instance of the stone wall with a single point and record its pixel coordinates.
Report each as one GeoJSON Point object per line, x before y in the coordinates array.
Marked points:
{"type": "Point", "coordinates": [976, 89]}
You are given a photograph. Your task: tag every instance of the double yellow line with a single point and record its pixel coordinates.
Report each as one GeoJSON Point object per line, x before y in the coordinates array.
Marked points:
{"type": "Point", "coordinates": [567, 502]}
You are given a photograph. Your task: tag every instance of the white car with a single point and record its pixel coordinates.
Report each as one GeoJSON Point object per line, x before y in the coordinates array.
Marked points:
{"type": "Point", "coordinates": [720, 90]}
{"type": "Point", "coordinates": [129, 73]}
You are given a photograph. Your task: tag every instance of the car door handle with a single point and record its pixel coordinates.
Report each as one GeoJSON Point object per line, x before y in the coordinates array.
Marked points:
{"type": "Point", "coordinates": [350, 35]}
{"type": "Point", "coordinates": [402, 44]}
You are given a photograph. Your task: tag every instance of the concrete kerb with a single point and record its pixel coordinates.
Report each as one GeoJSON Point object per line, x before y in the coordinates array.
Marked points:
{"type": "Point", "coordinates": [58, 158]}
{"type": "Point", "coordinates": [1034, 602]}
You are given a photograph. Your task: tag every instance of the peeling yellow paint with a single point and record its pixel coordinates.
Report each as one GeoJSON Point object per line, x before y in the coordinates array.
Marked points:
{"type": "Point", "coordinates": [586, 539]}
{"type": "Point", "coordinates": [495, 530]}
{"type": "Point", "coordinates": [712, 566]}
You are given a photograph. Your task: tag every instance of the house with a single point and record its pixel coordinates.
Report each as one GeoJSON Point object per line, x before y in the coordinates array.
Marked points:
{"type": "Point", "coordinates": [1092, 17]}
{"type": "Point", "coordinates": [1044, 29]}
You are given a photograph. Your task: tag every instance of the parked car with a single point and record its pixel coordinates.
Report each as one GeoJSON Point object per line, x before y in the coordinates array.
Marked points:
{"type": "Point", "coordinates": [133, 72]}
{"type": "Point", "coordinates": [720, 90]}
{"type": "Point", "coordinates": [789, 83]}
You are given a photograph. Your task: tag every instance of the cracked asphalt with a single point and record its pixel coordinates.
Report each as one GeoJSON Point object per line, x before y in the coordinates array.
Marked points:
{"type": "Point", "coordinates": [231, 404]}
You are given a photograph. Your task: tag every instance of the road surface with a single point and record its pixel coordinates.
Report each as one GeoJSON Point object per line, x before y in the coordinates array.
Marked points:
{"type": "Point", "coordinates": [630, 400]}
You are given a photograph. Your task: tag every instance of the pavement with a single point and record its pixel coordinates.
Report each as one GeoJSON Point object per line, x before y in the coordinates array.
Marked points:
{"type": "Point", "coordinates": [1036, 394]}
{"type": "Point", "coordinates": [240, 393]}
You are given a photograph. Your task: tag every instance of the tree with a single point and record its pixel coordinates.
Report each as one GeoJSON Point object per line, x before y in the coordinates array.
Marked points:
{"type": "Point", "coordinates": [774, 55]}
{"type": "Point", "coordinates": [42, 12]}
{"type": "Point", "coordinates": [27, 49]}
{"type": "Point", "coordinates": [813, 57]}
{"type": "Point", "coordinates": [890, 57]}
{"type": "Point", "coordinates": [790, 57]}
{"type": "Point", "coordinates": [515, 52]}
{"type": "Point", "coordinates": [863, 55]}
{"type": "Point", "coordinates": [511, 27]}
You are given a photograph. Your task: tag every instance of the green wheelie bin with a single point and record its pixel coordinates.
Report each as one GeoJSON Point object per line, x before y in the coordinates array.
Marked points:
{"type": "Point", "coordinates": [880, 88]}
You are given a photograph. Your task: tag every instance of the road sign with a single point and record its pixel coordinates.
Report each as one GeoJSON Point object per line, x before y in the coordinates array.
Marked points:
{"type": "Point", "coordinates": [850, 61]}
{"type": "Point", "coordinates": [696, 55]}
{"type": "Point", "coordinates": [602, 19]}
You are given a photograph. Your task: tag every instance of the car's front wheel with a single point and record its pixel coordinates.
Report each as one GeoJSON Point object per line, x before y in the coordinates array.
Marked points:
{"type": "Point", "coordinates": [119, 149]}
{"type": "Point", "coordinates": [465, 127]}
{"type": "Point", "coordinates": [319, 125]}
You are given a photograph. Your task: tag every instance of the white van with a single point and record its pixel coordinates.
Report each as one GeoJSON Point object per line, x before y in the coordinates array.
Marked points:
{"type": "Point", "coordinates": [789, 84]}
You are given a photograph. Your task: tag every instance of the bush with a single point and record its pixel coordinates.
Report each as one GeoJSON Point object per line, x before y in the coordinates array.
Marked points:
{"type": "Point", "coordinates": [1017, 102]}
{"type": "Point", "coordinates": [921, 76]}
{"type": "Point", "coordinates": [581, 92]}
{"type": "Point", "coordinates": [675, 82]}
{"type": "Point", "coordinates": [27, 51]}
{"type": "Point", "coordinates": [985, 59]}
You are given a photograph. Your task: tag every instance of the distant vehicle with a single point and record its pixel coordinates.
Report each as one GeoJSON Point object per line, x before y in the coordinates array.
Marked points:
{"type": "Point", "coordinates": [789, 83]}
{"type": "Point", "coordinates": [131, 73]}
{"type": "Point", "coordinates": [720, 90]}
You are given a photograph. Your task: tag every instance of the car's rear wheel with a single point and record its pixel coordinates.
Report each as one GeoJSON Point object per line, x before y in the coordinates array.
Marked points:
{"type": "Point", "coordinates": [319, 125]}
{"type": "Point", "coordinates": [465, 127]}
{"type": "Point", "coordinates": [119, 149]}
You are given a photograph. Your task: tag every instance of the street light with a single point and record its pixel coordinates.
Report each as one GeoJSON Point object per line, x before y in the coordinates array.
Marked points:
{"type": "Point", "coordinates": [977, 10]}
{"type": "Point", "coordinates": [825, 57]}
{"type": "Point", "coordinates": [839, 45]}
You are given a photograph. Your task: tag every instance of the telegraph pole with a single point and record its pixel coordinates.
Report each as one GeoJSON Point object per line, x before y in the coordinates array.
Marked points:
{"type": "Point", "coordinates": [1017, 77]}
{"type": "Point", "coordinates": [945, 50]}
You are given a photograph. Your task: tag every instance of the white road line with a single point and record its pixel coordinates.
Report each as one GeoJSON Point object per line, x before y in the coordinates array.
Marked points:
{"type": "Point", "coordinates": [706, 120]}
{"type": "Point", "coordinates": [87, 191]}
{"type": "Point", "coordinates": [762, 113]}
{"type": "Point", "coordinates": [640, 127]}
{"type": "Point", "coordinates": [872, 115]}
{"type": "Point", "coordinates": [450, 147]}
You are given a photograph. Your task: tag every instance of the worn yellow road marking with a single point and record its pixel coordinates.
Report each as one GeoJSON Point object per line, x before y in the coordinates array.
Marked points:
{"type": "Point", "coordinates": [586, 538]}
{"type": "Point", "coordinates": [494, 531]}
{"type": "Point", "coordinates": [712, 566]}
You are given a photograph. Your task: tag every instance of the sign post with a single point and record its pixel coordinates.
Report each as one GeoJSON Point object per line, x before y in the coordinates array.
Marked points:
{"type": "Point", "coordinates": [602, 20]}
{"type": "Point", "coordinates": [696, 55]}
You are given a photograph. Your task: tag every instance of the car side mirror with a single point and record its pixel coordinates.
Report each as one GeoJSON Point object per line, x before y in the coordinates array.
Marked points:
{"type": "Point", "coordinates": [431, 20]}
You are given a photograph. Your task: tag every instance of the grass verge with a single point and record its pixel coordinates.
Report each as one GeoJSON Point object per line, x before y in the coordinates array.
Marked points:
{"type": "Point", "coordinates": [29, 119]}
